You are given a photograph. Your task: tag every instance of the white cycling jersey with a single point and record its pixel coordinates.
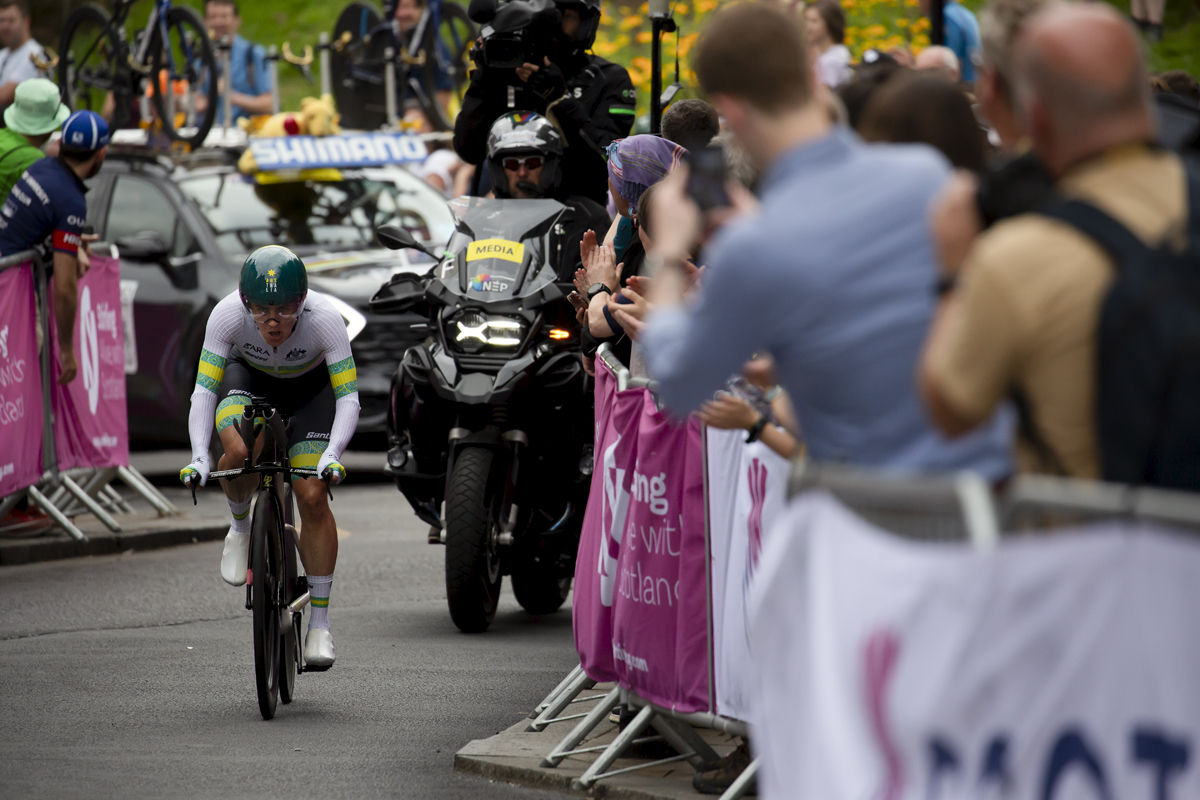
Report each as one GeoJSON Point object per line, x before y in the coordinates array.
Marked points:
{"type": "Point", "coordinates": [319, 336]}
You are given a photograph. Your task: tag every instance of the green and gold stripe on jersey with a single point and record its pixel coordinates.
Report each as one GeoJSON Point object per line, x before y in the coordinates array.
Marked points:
{"type": "Point", "coordinates": [211, 371]}
{"type": "Point", "coordinates": [344, 377]}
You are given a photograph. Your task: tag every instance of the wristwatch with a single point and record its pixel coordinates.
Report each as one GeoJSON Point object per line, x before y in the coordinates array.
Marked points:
{"type": "Point", "coordinates": [756, 430]}
{"type": "Point", "coordinates": [595, 289]}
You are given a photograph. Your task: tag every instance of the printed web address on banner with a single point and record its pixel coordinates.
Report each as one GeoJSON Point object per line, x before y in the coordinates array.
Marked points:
{"type": "Point", "coordinates": [633, 661]}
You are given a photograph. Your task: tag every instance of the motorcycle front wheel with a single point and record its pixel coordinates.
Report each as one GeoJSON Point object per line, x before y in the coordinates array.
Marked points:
{"type": "Point", "coordinates": [472, 529]}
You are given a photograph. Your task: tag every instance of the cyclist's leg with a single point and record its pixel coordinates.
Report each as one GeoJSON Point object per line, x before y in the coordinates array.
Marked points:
{"type": "Point", "coordinates": [308, 436]}
{"type": "Point", "coordinates": [233, 396]}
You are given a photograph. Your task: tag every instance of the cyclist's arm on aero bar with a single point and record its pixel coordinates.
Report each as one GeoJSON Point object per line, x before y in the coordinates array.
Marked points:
{"type": "Point", "coordinates": [340, 362]}
{"type": "Point", "coordinates": [223, 325]}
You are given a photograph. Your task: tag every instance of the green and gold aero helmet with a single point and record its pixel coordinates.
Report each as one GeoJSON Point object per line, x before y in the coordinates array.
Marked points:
{"type": "Point", "coordinates": [273, 276]}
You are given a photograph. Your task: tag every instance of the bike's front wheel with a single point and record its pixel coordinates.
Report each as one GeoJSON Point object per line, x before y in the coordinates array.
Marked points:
{"type": "Point", "coordinates": [88, 72]}
{"type": "Point", "coordinates": [183, 76]}
{"type": "Point", "coordinates": [267, 578]}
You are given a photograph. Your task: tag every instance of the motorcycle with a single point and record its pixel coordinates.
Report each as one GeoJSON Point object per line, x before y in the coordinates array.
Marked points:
{"type": "Point", "coordinates": [490, 423]}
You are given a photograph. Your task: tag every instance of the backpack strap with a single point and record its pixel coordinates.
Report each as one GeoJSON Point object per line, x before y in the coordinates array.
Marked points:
{"type": "Point", "coordinates": [1117, 240]}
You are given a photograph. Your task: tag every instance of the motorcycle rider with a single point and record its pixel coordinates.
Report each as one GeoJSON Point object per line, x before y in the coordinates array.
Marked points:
{"type": "Point", "coordinates": [273, 338]}
{"type": "Point", "coordinates": [591, 99]}
{"type": "Point", "coordinates": [525, 156]}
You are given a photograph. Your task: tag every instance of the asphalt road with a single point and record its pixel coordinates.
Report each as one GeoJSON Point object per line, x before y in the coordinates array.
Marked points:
{"type": "Point", "coordinates": [133, 676]}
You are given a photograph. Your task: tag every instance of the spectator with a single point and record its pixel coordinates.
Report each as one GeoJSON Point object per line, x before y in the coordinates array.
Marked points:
{"type": "Point", "coordinates": [46, 210]}
{"type": "Point", "coordinates": [999, 23]}
{"type": "Point", "coordinates": [691, 123]}
{"type": "Point", "coordinates": [738, 166]}
{"type": "Point", "coordinates": [1148, 15]}
{"type": "Point", "coordinates": [408, 16]}
{"type": "Point", "coordinates": [940, 59]}
{"type": "Point", "coordinates": [961, 34]}
{"type": "Point", "coordinates": [825, 27]}
{"type": "Point", "coordinates": [856, 93]}
{"type": "Point", "coordinates": [842, 302]}
{"type": "Point", "coordinates": [926, 107]}
{"type": "Point", "coordinates": [633, 164]}
{"type": "Point", "coordinates": [249, 82]}
{"type": "Point", "coordinates": [16, 63]}
{"type": "Point", "coordinates": [36, 112]}
{"type": "Point", "coordinates": [1024, 313]}
{"type": "Point", "coordinates": [442, 168]}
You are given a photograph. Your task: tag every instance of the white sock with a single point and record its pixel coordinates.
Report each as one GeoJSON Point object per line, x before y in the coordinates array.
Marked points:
{"type": "Point", "coordinates": [318, 590]}
{"type": "Point", "coordinates": [241, 517]}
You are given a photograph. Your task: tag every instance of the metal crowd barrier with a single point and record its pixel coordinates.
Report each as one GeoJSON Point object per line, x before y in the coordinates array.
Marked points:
{"type": "Point", "coordinates": [64, 494]}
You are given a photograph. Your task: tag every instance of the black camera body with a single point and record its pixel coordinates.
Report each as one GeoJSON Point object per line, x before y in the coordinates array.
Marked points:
{"type": "Point", "coordinates": [518, 32]}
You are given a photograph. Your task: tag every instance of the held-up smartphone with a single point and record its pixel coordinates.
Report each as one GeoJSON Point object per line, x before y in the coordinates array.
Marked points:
{"type": "Point", "coordinates": [706, 177]}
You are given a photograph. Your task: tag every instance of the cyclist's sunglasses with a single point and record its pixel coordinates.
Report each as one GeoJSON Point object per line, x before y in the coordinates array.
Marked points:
{"type": "Point", "coordinates": [530, 162]}
{"type": "Point", "coordinates": [271, 312]}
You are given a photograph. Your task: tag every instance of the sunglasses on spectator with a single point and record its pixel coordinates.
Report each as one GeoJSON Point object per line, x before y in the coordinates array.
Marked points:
{"type": "Point", "coordinates": [270, 312]}
{"type": "Point", "coordinates": [530, 163]}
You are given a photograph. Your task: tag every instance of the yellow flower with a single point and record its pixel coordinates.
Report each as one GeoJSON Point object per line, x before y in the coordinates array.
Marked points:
{"type": "Point", "coordinates": [645, 8]}
{"type": "Point", "coordinates": [630, 22]}
{"type": "Point", "coordinates": [685, 44]}
{"type": "Point", "coordinates": [604, 49]}
{"type": "Point", "coordinates": [605, 19]}
{"type": "Point", "coordinates": [705, 6]}
{"type": "Point", "coordinates": [644, 37]}
{"type": "Point", "coordinates": [902, 23]}
{"type": "Point", "coordinates": [641, 63]}
{"type": "Point", "coordinates": [681, 9]}
{"type": "Point", "coordinates": [875, 31]}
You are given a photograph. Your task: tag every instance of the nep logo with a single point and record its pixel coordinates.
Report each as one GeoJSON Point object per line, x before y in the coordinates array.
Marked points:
{"type": "Point", "coordinates": [486, 283]}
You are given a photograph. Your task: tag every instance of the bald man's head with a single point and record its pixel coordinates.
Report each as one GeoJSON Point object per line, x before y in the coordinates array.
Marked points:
{"type": "Point", "coordinates": [1083, 66]}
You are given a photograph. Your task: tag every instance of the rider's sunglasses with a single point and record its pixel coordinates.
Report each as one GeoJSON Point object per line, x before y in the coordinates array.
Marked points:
{"type": "Point", "coordinates": [271, 312]}
{"type": "Point", "coordinates": [530, 162]}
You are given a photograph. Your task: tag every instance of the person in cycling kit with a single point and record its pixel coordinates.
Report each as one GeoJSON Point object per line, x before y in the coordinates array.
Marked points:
{"type": "Point", "coordinates": [525, 161]}
{"type": "Point", "coordinates": [592, 100]}
{"type": "Point", "coordinates": [274, 338]}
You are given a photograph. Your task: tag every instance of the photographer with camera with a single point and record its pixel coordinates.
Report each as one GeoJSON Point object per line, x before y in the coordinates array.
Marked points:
{"type": "Point", "coordinates": [524, 159]}
{"type": "Point", "coordinates": [532, 57]}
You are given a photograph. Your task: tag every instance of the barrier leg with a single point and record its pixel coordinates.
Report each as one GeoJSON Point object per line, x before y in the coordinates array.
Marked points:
{"type": "Point", "coordinates": [135, 481]}
{"type": "Point", "coordinates": [9, 503]}
{"type": "Point", "coordinates": [45, 505]}
{"type": "Point", "coordinates": [585, 726]}
{"type": "Point", "coordinates": [90, 504]}
{"type": "Point", "coordinates": [581, 683]}
{"type": "Point", "coordinates": [619, 745]}
{"type": "Point", "coordinates": [685, 740]}
{"type": "Point", "coordinates": [740, 784]}
{"type": "Point", "coordinates": [117, 500]}
{"type": "Point", "coordinates": [553, 694]}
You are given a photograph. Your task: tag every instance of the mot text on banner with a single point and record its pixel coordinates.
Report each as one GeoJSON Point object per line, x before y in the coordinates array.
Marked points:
{"type": "Point", "coordinates": [1052, 667]}
{"type": "Point", "coordinates": [747, 489]}
{"type": "Point", "coordinates": [660, 599]}
{"type": "Point", "coordinates": [20, 382]}
{"type": "Point", "coordinates": [91, 426]}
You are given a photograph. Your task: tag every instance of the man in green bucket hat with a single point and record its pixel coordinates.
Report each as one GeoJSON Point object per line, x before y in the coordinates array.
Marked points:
{"type": "Point", "coordinates": [36, 112]}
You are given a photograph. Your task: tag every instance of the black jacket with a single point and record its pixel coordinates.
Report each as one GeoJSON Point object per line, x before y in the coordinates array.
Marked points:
{"type": "Point", "coordinates": [583, 214]}
{"type": "Point", "coordinates": [598, 109]}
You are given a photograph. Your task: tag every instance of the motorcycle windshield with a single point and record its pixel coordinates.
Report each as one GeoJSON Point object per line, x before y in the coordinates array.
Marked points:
{"type": "Point", "coordinates": [499, 249]}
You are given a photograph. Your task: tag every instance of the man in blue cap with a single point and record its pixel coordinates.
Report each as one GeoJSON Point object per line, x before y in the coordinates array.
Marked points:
{"type": "Point", "coordinates": [46, 210]}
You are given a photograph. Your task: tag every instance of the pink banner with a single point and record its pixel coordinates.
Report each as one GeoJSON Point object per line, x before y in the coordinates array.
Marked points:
{"type": "Point", "coordinates": [660, 619]}
{"type": "Point", "coordinates": [20, 383]}
{"type": "Point", "coordinates": [91, 425]}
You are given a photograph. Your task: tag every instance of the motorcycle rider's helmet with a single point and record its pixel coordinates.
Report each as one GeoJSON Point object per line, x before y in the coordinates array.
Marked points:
{"type": "Point", "coordinates": [589, 23]}
{"type": "Point", "coordinates": [521, 134]}
{"type": "Point", "coordinates": [273, 276]}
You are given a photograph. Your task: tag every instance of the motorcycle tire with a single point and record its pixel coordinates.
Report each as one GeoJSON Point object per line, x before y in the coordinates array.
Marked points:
{"type": "Point", "coordinates": [472, 555]}
{"type": "Point", "coordinates": [538, 591]}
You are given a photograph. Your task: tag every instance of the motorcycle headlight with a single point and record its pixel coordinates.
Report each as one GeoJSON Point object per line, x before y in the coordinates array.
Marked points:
{"type": "Point", "coordinates": [472, 331]}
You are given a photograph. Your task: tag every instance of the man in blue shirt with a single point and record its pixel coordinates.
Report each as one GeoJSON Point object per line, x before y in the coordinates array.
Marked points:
{"type": "Point", "coordinates": [249, 82]}
{"type": "Point", "coordinates": [833, 275]}
{"type": "Point", "coordinates": [961, 33]}
{"type": "Point", "coordinates": [46, 211]}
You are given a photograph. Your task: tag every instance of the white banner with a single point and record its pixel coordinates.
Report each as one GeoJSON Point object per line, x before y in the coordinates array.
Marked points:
{"type": "Point", "coordinates": [747, 485]}
{"type": "Point", "coordinates": [1053, 667]}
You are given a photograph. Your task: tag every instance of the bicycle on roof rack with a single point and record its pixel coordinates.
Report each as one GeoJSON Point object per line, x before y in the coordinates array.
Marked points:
{"type": "Point", "coordinates": [99, 70]}
{"type": "Point", "coordinates": [431, 64]}
{"type": "Point", "coordinates": [276, 591]}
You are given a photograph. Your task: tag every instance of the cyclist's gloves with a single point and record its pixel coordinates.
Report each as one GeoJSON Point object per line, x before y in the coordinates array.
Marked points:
{"type": "Point", "coordinates": [548, 83]}
{"type": "Point", "coordinates": [337, 473]}
{"type": "Point", "coordinates": [197, 470]}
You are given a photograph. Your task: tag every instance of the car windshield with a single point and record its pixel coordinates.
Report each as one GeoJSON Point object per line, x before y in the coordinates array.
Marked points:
{"type": "Point", "coordinates": [317, 210]}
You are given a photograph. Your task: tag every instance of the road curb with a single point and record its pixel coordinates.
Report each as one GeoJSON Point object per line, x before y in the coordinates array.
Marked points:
{"type": "Point", "coordinates": [139, 533]}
